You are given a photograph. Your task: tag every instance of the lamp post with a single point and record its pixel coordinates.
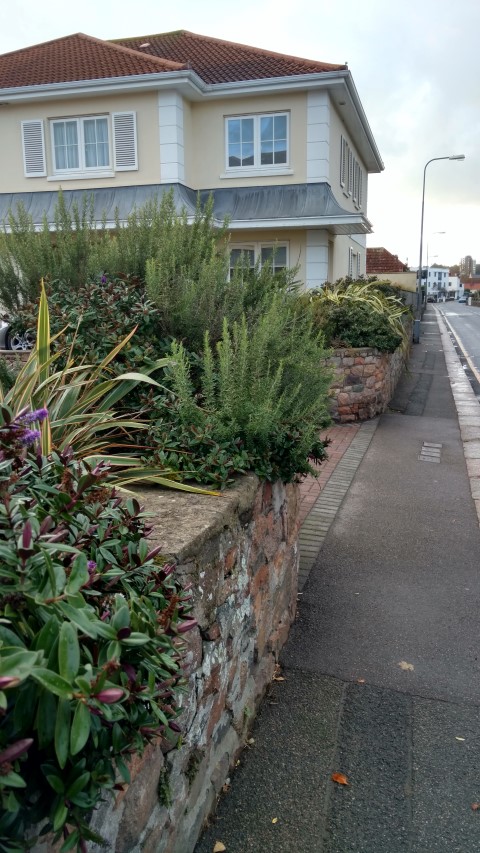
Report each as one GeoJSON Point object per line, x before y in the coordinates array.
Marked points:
{"type": "Point", "coordinates": [419, 279]}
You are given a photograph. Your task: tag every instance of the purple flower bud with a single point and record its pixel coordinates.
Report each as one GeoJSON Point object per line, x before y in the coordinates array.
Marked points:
{"type": "Point", "coordinates": [110, 695]}
{"type": "Point", "coordinates": [15, 750]}
{"type": "Point", "coordinates": [7, 681]}
{"type": "Point", "coordinates": [27, 535]}
{"type": "Point", "coordinates": [31, 417]}
{"type": "Point", "coordinates": [30, 436]}
{"type": "Point", "coordinates": [174, 726]}
{"type": "Point", "coordinates": [91, 566]}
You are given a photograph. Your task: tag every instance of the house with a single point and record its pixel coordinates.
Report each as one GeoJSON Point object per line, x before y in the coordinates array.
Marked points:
{"type": "Point", "coordinates": [437, 282]}
{"type": "Point", "coordinates": [382, 264]}
{"type": "Point", "coordinates": [282, 143]}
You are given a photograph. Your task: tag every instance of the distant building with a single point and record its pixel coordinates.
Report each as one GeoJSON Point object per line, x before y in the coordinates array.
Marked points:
{"type": "Point", "coordinates": [381, 262]}
{"type": "Point", "coordinates": [384, 265]}
{"type": "Point", "coordinates": [437, 282]}
{"type": "Point", "coordinates": [454, 287]}
{"type": "Point", "coordinates": [467, 266]}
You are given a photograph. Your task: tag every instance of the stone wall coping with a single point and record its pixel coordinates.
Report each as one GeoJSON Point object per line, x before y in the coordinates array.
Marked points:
{"type": "Point", "coordinates": [184, 521]}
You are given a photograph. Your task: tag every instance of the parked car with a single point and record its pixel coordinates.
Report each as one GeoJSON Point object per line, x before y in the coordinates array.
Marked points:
{"type": "Point", "coordinates": [14, 341]}
{"type": "Point", "coordinates": [462, 299]}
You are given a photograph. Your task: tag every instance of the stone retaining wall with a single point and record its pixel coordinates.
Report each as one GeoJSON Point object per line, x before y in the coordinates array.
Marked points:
{"type": "Point", "coordinates": [240, 553]}
{"type": "Point", "coordinates": [364, 382]}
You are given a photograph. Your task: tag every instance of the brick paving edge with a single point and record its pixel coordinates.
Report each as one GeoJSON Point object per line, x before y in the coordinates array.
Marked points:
{"type": "Point", "coordinates": [318, 521]}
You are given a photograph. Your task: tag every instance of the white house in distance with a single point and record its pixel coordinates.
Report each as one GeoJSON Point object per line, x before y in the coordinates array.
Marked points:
{"type": "Point", "coordinates": [281, 143]}
{"type": "Point", "coordinates": [437, 282]}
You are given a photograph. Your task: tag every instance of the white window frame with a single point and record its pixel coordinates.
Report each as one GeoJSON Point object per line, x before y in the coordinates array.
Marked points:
{"type": "Point", "coordinates": [258, 167]}
{"type": "Point", "coordinates": [256, 248]}
{"type": "Point", "coordinates": [351, 174]}
{"type": "Point", "coordinates": [83, 170]}
{"type": "Point", "coordinates": [122, 147]}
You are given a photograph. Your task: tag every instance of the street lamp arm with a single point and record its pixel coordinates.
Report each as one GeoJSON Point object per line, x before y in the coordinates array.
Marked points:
{"type": "Point", "coordinates": [433, 159]}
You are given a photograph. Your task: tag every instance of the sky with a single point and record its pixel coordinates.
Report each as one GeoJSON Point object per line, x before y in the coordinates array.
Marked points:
{"type": "Point", "coordinates": [415, 65]}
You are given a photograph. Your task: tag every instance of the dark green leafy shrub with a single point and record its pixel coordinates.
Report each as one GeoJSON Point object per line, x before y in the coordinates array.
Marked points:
{"type": "Point", "coordinates": [356, 325]}
{"type": "Point", "coordinates": [93, 317]}
{"type": "Point", "coordinates": [90, 622]}
{"type": "Point", "coordinates": [359, 314]}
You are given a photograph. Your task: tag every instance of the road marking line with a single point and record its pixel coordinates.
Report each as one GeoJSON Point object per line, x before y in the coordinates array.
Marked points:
{"type": "Point", "coordinates": [460, 343]}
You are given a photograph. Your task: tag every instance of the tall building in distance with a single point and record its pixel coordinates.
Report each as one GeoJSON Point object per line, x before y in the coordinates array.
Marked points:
{"type": "Point", "coordinates": [467, 266]}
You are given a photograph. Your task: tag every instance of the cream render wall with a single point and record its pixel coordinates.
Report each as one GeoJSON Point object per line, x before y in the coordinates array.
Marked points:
{"type": "Point", "coordinates": [206, 158]}
{"type": "Point", "coordinates": [12, 178]}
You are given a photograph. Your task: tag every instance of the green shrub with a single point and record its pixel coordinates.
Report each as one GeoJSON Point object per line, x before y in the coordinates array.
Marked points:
{"type": "Point", "coordinates": [89, 629]}
{"type": "Point", "coordinates": [79, 249]}
{"type": "Point", "coordinates": [91, 318]}
{"type": "Point", "coordinates": [260, 395]}
{"type": "Point", "coordinates": [189, 282]}
{"type": "Point", "coordinates": [359, 314]}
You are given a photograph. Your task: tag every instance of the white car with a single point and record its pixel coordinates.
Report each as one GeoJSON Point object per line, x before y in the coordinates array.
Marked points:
{"type": "Point", "coordinates": [13, 341]}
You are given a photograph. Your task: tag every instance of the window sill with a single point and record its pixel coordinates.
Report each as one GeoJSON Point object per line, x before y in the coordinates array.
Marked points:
{"type": "Point", "coordinates": [255, 173]}
{"type": "Point", "coordinates": [79, 176]}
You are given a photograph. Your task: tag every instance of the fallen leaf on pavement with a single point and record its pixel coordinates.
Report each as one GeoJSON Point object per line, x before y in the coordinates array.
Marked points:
{"type": "Point", "coordinates": [219, 847]}
{"type": "Point", "coordinates": [274, 819]}
{"type": "Point", "coordinates": [278, 678]}
{"type": "Point", "coordinates": [475, 807]}
{"type": "Point", "coordinates": [340, 778]}
{"type": "Point", "coordinates": [406, 666]}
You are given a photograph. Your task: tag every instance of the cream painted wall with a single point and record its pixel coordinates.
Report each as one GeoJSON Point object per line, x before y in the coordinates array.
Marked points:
{"type": "Point", "coordinates": [12, 178]}
{"type": "Point", "coordinates": [342, 244]}
{"type": "Point", "coordinates": [207, 139]}
{"type": "Point", "coordinates": [296, 241]}
{"type": "Point", "coordinates": [337, 130]}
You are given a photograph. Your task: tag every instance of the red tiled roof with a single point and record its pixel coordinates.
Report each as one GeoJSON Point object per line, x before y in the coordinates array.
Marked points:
{"type": "Point", "coordinates": [381, 261]}
{"type": "Point", "coordinates": [218, 61]}
{"type": "Point", "coordinates": [73, 58]}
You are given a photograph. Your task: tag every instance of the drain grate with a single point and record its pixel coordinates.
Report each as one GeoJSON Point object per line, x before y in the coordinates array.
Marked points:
{"type": "Point", "coordinates": [431, 452]}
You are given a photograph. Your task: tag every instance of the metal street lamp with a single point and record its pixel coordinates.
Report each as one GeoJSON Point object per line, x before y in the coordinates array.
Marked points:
{"type": "Point", "coordinates": [419, 278]}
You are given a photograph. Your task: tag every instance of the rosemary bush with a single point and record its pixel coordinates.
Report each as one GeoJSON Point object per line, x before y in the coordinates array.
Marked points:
{"type": "Point", "coordinates": [260, 396]}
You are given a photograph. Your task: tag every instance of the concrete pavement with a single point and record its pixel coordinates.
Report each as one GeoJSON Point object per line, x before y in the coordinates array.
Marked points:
{"type": "Point", "coordinates": [381, 671]}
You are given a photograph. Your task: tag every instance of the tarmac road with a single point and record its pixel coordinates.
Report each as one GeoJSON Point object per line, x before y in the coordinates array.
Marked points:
{"type": "Point", "coordinates": [381, 669]}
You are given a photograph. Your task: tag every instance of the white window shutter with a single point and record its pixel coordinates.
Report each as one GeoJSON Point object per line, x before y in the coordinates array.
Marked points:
{"type": "Point", "coordinates": [33, 143]}
{"type": "Point", "coordinates": [350, 262]}
{"type": "Point", "coordinates": [125, 142]}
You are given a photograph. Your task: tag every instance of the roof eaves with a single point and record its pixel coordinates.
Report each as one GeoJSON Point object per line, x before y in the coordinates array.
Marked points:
{"type": "Point", "coordinates": [99, 84]}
